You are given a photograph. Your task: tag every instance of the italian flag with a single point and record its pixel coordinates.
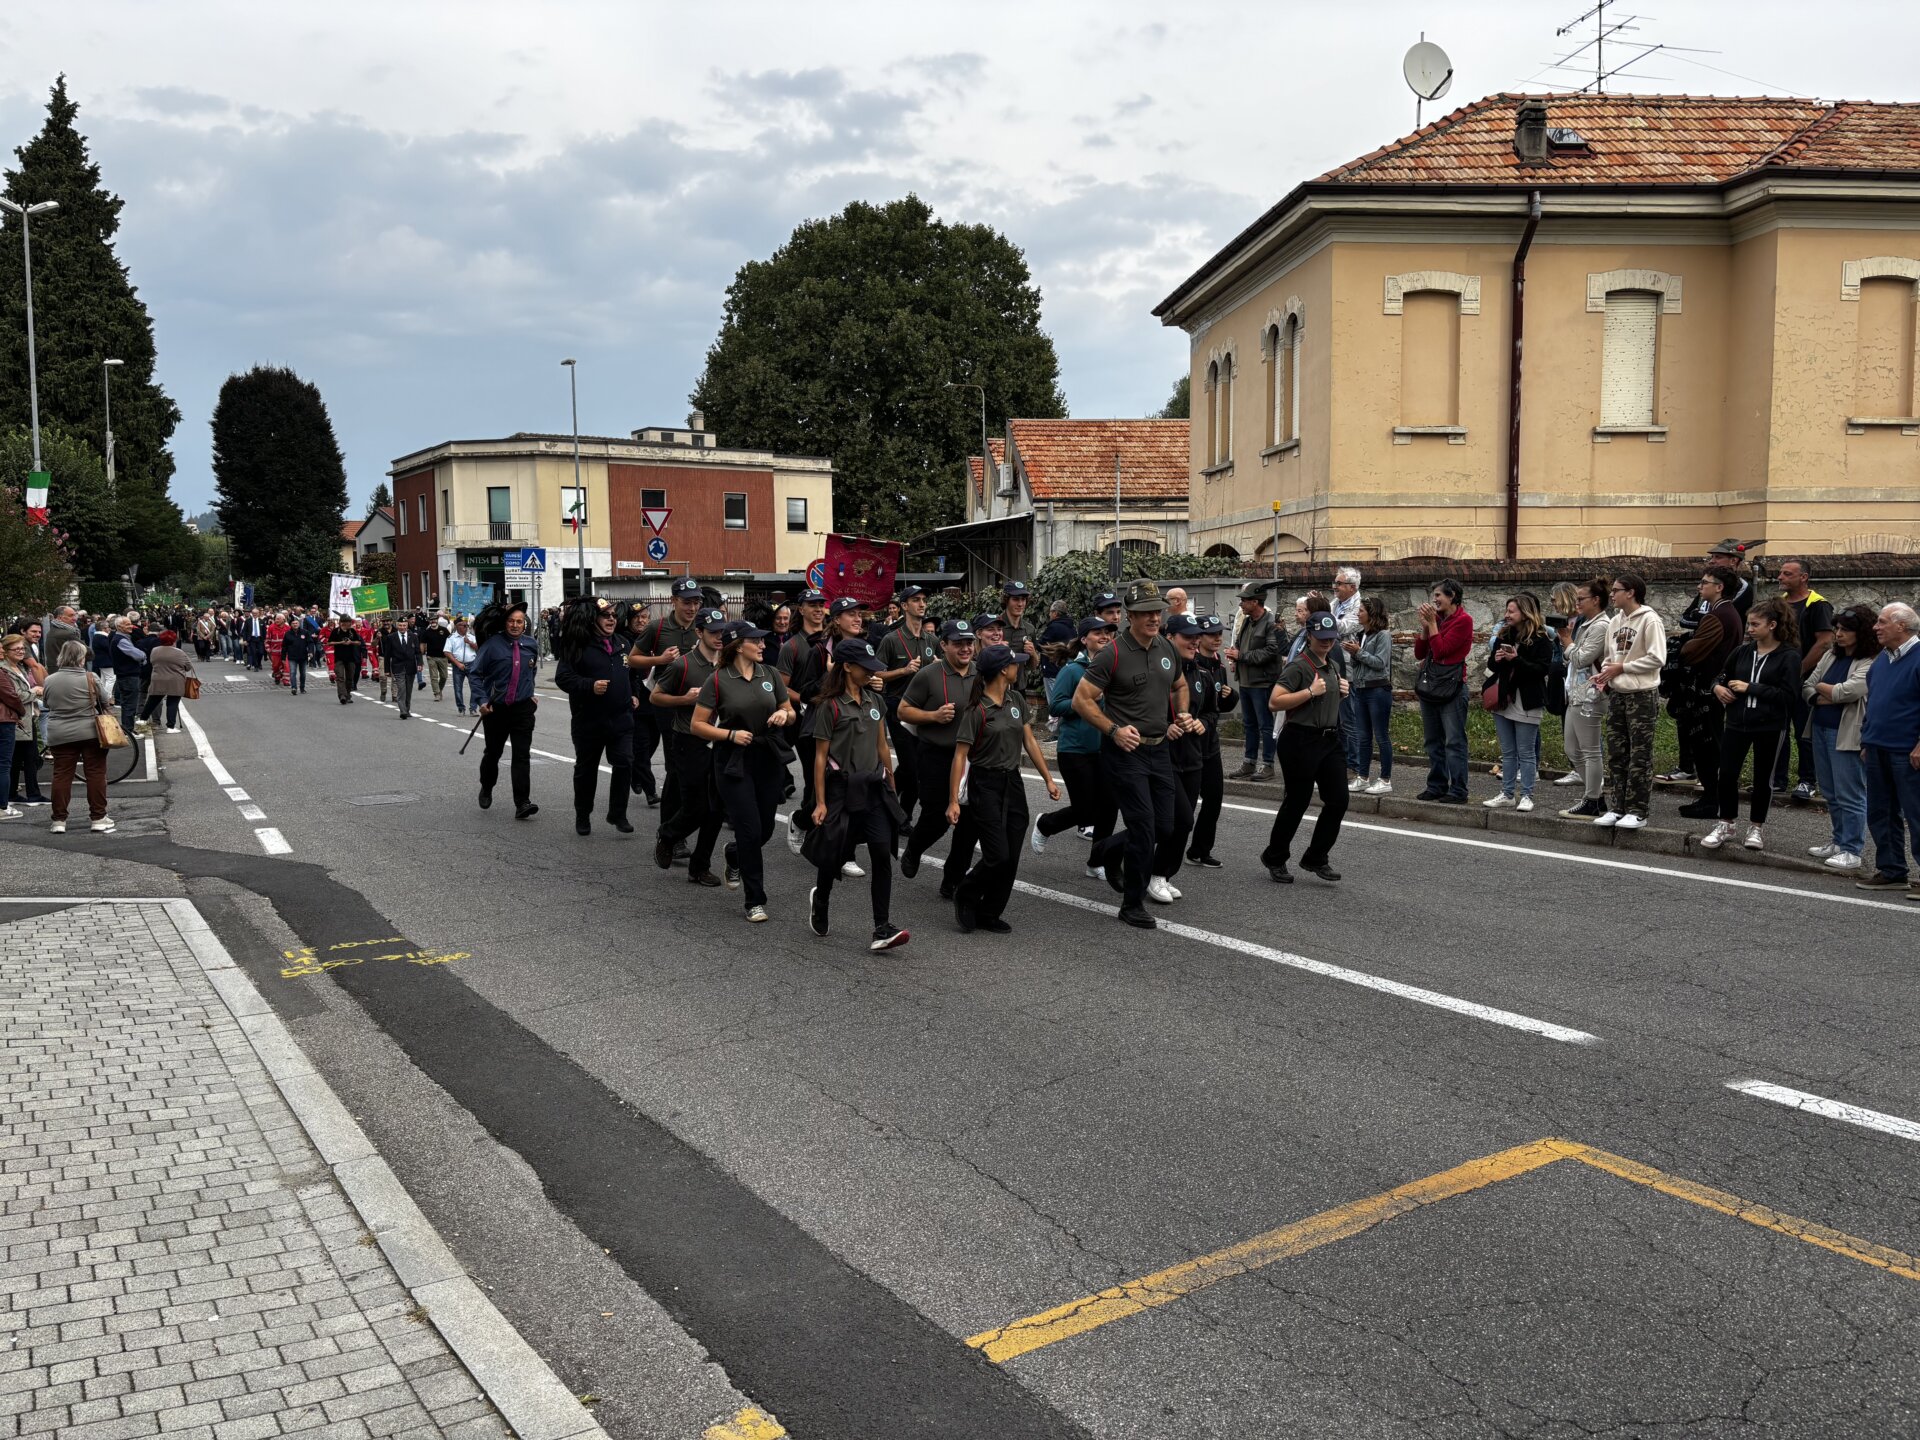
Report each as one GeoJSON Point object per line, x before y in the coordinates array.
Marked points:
{"type": "Point", "coordinates": [573, 511]}
{"type": "Point", "coordinates": [37, 496]}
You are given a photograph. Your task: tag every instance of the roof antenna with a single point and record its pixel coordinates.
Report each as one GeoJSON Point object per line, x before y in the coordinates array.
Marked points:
{"type": "Point", "coordinates": [1428, 72]}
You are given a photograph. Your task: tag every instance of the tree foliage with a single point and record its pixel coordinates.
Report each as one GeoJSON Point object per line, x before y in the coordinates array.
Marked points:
{"type": "Point", "coordinates": [380, 498]}
{"type": "Point", "coordinates": [107, 528]}
{"type": "Point", "coordinates": [1179, 405]}
{"type": "Point", "coordinates": [34, 572]}
{"type": "Point", "coordinates": [379, 567]}
{"type": "Point", "coordinates": [281, 484]}
{"type": "Point", "coordinates": [85, 308]}
{"type": "Point", "coordinates": [1077, 576]}
{"type": "Point", "coordinates": [842, 343]}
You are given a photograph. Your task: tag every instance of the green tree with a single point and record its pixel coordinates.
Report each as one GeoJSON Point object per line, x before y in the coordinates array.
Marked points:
{"type": "Point", "coordinates": [34, 572]}
{"type": "Point", "coordinates": [842, 344]}
{"type": "Point", "coordinates": [380, 567]}
{"type": "Point", "coordinates": [381, 497]}
{"type": "Point", "coordinates": [280, 481]}
{"type": "Point", "coordinates": [85, 308]}
{"type": "Point", "coordinates": [1179, 405]}
{"type": "Point", "coordinates": [78, 501]}
{"type": "Point", "coordinates": [214, 577]}
{"type": "Point", "coordinates": [153, 535]}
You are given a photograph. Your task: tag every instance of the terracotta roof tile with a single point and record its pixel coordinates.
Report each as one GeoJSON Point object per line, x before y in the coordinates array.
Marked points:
{"type": "Point", "coordinates": [1856, 136]}
{"type": "Point", "coordinates": [999, 448]}
{"type": "Point", "coordinates": [351, 529]}
{"type": "Point", "coordinates": [1073, 459]}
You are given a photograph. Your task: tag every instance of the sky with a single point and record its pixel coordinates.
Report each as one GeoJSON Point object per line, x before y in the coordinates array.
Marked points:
{"type": "Point", "coordinates": [423, 206]}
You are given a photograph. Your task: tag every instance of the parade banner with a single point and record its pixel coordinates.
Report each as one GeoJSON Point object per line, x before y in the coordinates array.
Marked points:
{"type": "Point", "coordinates": [370, 600]}
{"type": "Point", "coordinates": [242, 595]}
{"type": "Point", "coordinates": [861, 567]}
{"type": "Point", "coordinates": [470, 599]}
{"type": "Point", "coordinates": [340, 590]}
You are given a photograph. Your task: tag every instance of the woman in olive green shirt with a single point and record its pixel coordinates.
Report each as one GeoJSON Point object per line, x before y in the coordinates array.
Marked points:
{"type": "Point", "coordinates": [995, 729]}
{"type": "Point", "coordinates": [854, 785]}
{"type": "Point", "coordinates": [741, 707]}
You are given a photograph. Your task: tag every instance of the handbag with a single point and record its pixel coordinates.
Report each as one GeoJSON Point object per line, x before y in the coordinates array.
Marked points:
{"type": "Point", "coordinates": [193, 687]}
{"type": "Point", "coordinates": [1437, 683]}
{"type": "Point", "coordinates": [106, 729]}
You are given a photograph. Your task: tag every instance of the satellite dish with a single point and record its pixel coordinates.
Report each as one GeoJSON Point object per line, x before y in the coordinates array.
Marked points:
{"type": "Point", "coordinates": [1428, 70]}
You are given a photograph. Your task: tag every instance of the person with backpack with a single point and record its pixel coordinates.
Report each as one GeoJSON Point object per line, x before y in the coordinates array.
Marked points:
{"type": "Point", "coordinates": [856, 801]}
{"type": "Point", "coordinates": [994, 731]}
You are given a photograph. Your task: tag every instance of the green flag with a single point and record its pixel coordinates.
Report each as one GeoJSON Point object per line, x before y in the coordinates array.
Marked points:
{"type": "Point", "coordinates": [370, 599]}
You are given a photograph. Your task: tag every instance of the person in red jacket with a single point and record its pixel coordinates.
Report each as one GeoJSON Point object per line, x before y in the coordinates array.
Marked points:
{"type": "Point", "coordinates": [276, 648]}
{"type": "Point", "coordinates": [1441, 647]}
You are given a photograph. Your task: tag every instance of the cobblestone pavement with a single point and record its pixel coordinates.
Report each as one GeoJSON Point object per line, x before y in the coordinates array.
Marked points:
{"type": "Point", "coordinates": [175, 1257]}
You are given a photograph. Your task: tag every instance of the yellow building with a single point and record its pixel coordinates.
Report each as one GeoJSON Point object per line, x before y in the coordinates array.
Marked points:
{"type": "Point", "coordinates": [1572, 325]}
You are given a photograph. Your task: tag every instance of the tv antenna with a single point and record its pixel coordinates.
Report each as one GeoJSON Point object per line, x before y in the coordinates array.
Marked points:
{"type": "Point", "coordinates": [1428, 72]}
{"type": "Point", "coordinates": [1606, 28]}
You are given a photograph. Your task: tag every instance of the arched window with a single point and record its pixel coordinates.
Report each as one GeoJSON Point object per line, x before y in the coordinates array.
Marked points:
{"type": "Point", "coordinates": [1281, 346]}
{"type": "Point", "coordinates": [1213, 414]}
{"type": "Point", "coordinates": [1222, 552]}
{"type": "Point", "coordinates": [1223, 411]}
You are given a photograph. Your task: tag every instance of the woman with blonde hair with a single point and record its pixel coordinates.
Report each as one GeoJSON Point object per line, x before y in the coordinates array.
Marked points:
{"type": "Point", "coordinates": [1517, 676]}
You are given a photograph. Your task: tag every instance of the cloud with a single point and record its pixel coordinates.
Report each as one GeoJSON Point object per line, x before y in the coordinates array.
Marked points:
{"type": "Point", "coordinates": [173, 100]}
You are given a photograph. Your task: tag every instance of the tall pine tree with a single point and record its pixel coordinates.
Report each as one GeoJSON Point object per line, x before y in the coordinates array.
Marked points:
{"type": "Point", "coordinates": [281, 482]}
{"type": "Point", "coordinates": [85, 309]}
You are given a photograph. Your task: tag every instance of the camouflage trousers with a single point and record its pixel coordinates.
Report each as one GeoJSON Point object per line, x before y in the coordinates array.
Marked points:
{"type": "Point", "coordinates": [1630, 720]}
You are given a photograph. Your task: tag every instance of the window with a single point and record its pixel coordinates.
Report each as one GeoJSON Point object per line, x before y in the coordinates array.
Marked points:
{"type": "Point", "coordinates": [426, 587]}
{"type": "Point", "coordinates": [653, 499]}
{"type": "Point", "coordinates": [1282, 344]}
{"type": "Point", "coordinates": [1430, 359]}
{"type": "Point", "coordinates": [736, 511]}
{"type": "Point", "coordinates": [1884, 360]}
{"type": "Point", "coordinates": [1628, 368]}
{"type": "Point", "coordinates": [400, 513]}
{"type": "Point", "coordinates": [446, 509]}
{"type": "Point", "coordinates": [568, 495]}
{"type": "Point", "coordinates": [796, 514]}
{"type": "Point", "coordinates": [446, 586]}
{"type": "Point", "coordinates": [1213, 414]}
{"type": "Point", "coordinates": [406, 584]}
{"type": "Point", "coordinates": [420, 512]}
{"type": "Point", "coordinates": [499, 512]}
{"type": "Point", "coordinates": [1220, 411]}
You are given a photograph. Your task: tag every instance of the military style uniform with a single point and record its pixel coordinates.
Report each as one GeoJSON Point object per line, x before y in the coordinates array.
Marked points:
{"type": "Point", "coordinates": [1312, 757]}
{"type": "Point", "coordinates": [899, 647]}
{"type": "Point", "coordinates": [932, 687]}
{"type": "Point", "coordinates": [690, 762]}
{"type": "Point", "coordinates": [996, 804]}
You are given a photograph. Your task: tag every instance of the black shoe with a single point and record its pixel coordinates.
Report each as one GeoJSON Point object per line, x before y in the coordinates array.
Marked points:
{"type": "Point", "coordinates": [663, 853]}
{"type": "Point", "coordinates": [582, 826]}
{"type": "Point", "coordinates": [1453, 799]}
{"type": "Point", "coordinates": [704, 878]}
{"type": "Point", "coordinates": [681, 852]}
{"type": "Point", "coordinates": [621, 823]}
{"type": "Point", "coordinates": [816, 911]}
{"type": "Point", "coordinates": [888, 937]}
{"type": "Point", "coordinates": [995, 927]}
{"type": "Point", "coordinates": [526, 811]}
{"type": "Point", "coordinates": [947, 891]}
{"type": "Point", "coordinates": [1205, 862]}
{"type": "Point", "coordinates": [486, 791]}
{"type": "Point", "coordinates": [653, 800]}
{"type": "Point", "coordinates": [909, 865]}
{"type": "Point", "coordinates": [1802, 793]}
{"type": "Point", "coordinates": [1585, 810]}
{"type": "Point", "coordinates": [1279, 874]}
{"type": "Point", "coordinates": [1701, 810]}
{"type": "Point", "coordinates": [1325, 871]}
{"type": "Point", "coordinates": [1117, 874]}
{"type": "Point", "coordinates": [1138, 918]}
{"type": "Point", "coordinates": [1431, 795]}
{"type": "Point", "coordinates": [963, 914]}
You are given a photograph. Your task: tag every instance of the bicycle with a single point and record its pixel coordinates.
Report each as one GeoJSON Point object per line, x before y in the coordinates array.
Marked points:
{"type": "Point", "coordinates": [123, 762]}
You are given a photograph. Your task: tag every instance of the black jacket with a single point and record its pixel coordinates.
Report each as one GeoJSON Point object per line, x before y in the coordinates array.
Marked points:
{"type": "Point", "coordinates": [1773, 685]}
{"type": "Point", "coordinates": [578, 674]}
{"type": "Point", "coordinates": [1525, 674]}
{"type": "Point", "coordinates": [399, 653]}
{"type": "Point", "coordinates": [1209, 696]}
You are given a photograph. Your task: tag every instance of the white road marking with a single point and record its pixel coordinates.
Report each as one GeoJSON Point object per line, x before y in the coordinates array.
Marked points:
{"type": "Point", "coordinates": [236, 794]}
{"type": "Point", "coordinates": [1831, 1109]}
{"type": "Point", "coordinates": [252, 812]}
{"type": "Point", "coordinates": [203, 748]}
{"type": "Point", "coordinates": [272, 841]}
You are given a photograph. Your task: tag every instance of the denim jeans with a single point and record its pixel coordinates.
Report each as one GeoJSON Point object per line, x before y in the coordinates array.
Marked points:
{"type": "Point", "coordinates": [1257, 721]}
{"type": "Point", "coordinates": [1372, 717]}
{"type": "Point", "coordinates": [1893, 807]}
{"type": "Point", "coordinates": [1444, 728]}
{"type": "Point", "coordinates": [1843, 781]}
{"type": "Point", "coordinates": [7, 730]}
{"type": "Point", "coordinates": [1519, 755]}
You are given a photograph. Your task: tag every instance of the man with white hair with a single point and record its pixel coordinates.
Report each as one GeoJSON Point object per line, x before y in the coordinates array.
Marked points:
{"type": "Point", "coordinates": [1890, 750]}
{"type": "Point", "coordinates": [63, 628]}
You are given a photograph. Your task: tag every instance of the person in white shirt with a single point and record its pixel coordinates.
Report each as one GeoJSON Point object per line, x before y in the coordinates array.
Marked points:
{"type": "Point", "coordinates": [460, 655]}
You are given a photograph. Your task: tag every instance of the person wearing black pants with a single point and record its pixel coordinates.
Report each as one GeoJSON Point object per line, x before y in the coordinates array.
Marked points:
{"type": "Point", "coordinates": [1759, 688]}
{"type": "Point", "coordinates": [690, 759]}
{"type": "Point", "coordinates": [854, 780]}
{"type": "Point", "coordinates": [1183, 752]}
{"type": "Point", "coordinates": [807, 678]}
{"type": "Point", "coordinates": [503, 675]}
{"type": "Point", "coordinates": [931, 703]}
{"type": "Point", "coordinates": [1310, 753]}
{"type": "Point", "coordinates": [738, 709]}
{"type": "Point", "coordinates": [1211, 695]}
{"type": "Point", "coordinates": [646, 724]}
{"type": "Point", "coordinates": [908, 646]}
{"type": "Point", "coordinates": [670, 638]}
{"type": "Point", "coordinates": [995, 729]}
{"type": "Point", "coordinates": [1089, 804]}
{"type": "Point", "coordinates": [591, 667]}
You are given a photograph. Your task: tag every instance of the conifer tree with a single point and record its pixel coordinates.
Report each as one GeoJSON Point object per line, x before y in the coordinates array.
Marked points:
{"type": "Point", "coordinates": [281, 482]}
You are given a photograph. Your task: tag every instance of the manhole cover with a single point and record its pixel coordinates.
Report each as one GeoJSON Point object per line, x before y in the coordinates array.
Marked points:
{"type": "Point", "coordinates": [398, 797]}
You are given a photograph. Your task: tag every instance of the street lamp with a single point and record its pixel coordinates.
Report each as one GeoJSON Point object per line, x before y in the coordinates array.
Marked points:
{"type": "Point", "coordinates": [986, 451]}
{"type": "Point", "coordinates": [106, 383]}
{"type": "Point", "coordinates": [26, 212]}
{"type": "Point", "coordinates": [579, 495]}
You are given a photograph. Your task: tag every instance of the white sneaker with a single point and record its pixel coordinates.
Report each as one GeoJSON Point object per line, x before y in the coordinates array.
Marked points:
{"type": "Point", "coordinates": [1158, 892]}
{"type": "Point", "coordinates": [851, 871]}
{"type": "Point", "coordinates": [1036, 841]}
{"type": "Point", "coordinates": [1631, 822]}
{"type": "Point", "coordinates": [1610, 819]}
{"type": "Point", "coordinates": [1570, 778]}
{"type": "Point", "coordinates": [1754, 840]}
{"type": "Point", "coordinates": [173, 729]}
{"type": "Point", "coordinates": [1717, 836]}
{"type": "Point", "coordinates": [1096, 872]}
{"type": "Point", "coordinates": [1822, 852]}
{"type": "Point", "coordinates": [794, 837]}
{"type": "Point", "coordinates": [59, 827]}
{"type": "Point", "coordinates": [1499, 802]}
{"type": "Point", "coordinates": [1173, 889]}
{"type": "Point", "coordinates": [102, 826]}
{"type": "Point", "coordinates": [10, 813]}
{"type": "Point", "coordinates": [1085, 832]}
{"type": "Point", "coordinates": [1357, 784]}
{"type": "Point", "coordinates": [1523, 804]}
{"type": "Point", "coordinates": [1380, 787]}
{"type": "Point", "coordinates": [1843, 860]}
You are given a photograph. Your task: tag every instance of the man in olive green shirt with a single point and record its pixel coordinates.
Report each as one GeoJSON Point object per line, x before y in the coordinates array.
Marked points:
{"type": "Point", "coordinates": [1310, 752]}
{"type": "Point", "coordinates": [905, 649]}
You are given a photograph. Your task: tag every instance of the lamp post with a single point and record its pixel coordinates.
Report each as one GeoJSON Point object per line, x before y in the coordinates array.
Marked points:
{"type": "Point", "coordinates": [26, 212]}
{"type": "Point", "coordinates": [579, 495]}
{"type": "Point", "coordinates": [986, 451]}
{"type": "Point", "coordinates": [106, 384]}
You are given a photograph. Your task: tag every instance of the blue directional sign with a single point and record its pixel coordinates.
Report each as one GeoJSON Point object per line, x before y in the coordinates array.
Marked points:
{"type": "Point", "coordinates": [532, 559]}
{"type": "Point", "coordinates": [656, 549]}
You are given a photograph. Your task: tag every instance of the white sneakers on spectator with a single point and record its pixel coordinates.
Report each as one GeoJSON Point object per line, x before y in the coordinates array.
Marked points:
{"type": "Point", "coordinates": [1721, 832]}
{"type": "Point", "coordinates": [851, 871]}
{"type": "Point", "coordinates": [1608, 820]}
{"type": "Point", "coordinates": [102, 826]}
{"type": "Point", "coordinates": [58, 827]}
{"type": "Point", "coordinates": [1630, 822]}
{"type": "Point", "coordinates": [1159, 891]}
{"type": "Point", "coordinates": [11, 813]}
{"type": "Point", "coordinates": [1499, 802]}
{"type": "Point", "coordinates": [1357, 784]}
{"type": "Point", "coordinates": [1036, 841]}
{"type": "Point", "coordinates": [1380, 787]}
{"type": "Point", "coordinates": [1843, 860]}
{"type": "Point", "coordinates": [1570, 778]}
{"type": "Point", "coordinates": [1754, 840]}
{"type": "Point", "coordinates": [1523, 804]}
{"type": "Point", "coordinates": [1821, 852]}
{"type": "Point", "coordinates": [1096, 872]}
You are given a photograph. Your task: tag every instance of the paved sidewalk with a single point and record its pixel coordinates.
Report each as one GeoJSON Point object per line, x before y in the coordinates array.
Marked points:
{"type": "Point", "coordinates": [176, 1257]}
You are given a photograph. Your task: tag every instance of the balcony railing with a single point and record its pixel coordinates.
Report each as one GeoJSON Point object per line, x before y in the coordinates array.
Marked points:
{"type": "Point", "coordinates": [492, 532]}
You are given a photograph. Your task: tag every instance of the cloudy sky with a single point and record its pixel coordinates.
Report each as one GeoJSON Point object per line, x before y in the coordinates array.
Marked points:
{"type": "Point", "coordinates": [423, 206]}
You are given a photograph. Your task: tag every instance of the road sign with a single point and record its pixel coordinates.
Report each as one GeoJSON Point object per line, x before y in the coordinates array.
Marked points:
{"type": "Point", "coordinates": [656, 549]}
{"type": "Point", "coordinates": [657, 519]}
{"type": "Point", "coordinates": [816, 574]}
{"type": "Point", "coordinates": [533, 560]}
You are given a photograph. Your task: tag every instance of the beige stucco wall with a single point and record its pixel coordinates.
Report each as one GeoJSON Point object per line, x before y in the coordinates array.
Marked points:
{"type": "Point", "coordinates": [796, 552]}
{"type": "Point", "coordinates": [1754, 384]}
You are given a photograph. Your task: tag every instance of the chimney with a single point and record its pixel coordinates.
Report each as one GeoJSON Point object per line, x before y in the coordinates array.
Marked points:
{"type": "Point", "coordinates": [1530, 132]}
{"type": "Point", "coordinates": [697, 419]}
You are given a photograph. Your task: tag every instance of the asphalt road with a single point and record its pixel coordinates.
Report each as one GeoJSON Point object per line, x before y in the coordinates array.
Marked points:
{"type": "Point", "coordinates": [703, 1163]}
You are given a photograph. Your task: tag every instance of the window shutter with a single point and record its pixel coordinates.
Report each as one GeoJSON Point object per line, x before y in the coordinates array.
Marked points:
{"type": "Point", "coordinates": [1627, 360]}
{"type": "Point", "coordinates": [1293, 378]}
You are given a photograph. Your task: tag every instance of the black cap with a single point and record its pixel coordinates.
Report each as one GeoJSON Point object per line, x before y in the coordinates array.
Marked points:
{"type": "Point", "coordinates": [1182, 624]}
{"type": "Point", "coordinates": [741, 630]}
{"type": "Point", "coordinates": [1322, 626]}
{"type": "Point", "coordinates": [843, 605]}
{"type": "Point", "coordinates": [909, 593]}
{"type": "Point", "coordinates": [1093, 623]}
{"type": "Point", "coordinates": [686, 585]}
{"type": "Point", "coordinates": [981, 622]}
{"type": "Point", "coordinates": [996, 658]}
{"type": "Point", "coordinates": [812, 597]}
{"type": "Point", "coordinates": [710, 620]}
{"type": "Point", "coordinates": [957, 630]}
{"type": "Point", "coordinates": [1211, 625]}
{"type": "Point", "coordinates": [1015, 589]}
{"type": "Point", "coordinates": [1106, 600]}
{"type": "Point", "coordinates": [856, 652]}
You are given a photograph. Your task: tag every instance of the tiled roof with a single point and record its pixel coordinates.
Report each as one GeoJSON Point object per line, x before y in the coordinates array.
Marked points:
{"type": "Point", "coordinates": [351, 529]}
{"type": "Point", "coordinates": [1645, 140]}
{"type": "Point", "coordinates": [999, 448]}
{"type": "Point", "coordinates": [1073, 459]}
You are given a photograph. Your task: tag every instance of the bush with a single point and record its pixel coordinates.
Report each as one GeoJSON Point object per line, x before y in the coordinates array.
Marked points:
{"type": "Point", "coordinates": [102, 597]}
{"type": "Point", "coordinates": [1079, 575]}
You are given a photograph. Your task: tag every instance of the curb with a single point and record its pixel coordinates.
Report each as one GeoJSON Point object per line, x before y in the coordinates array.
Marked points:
{"type": "Point", "coordinates": [515, 1380]}
{"type": "Point", "coordinates": [1653, 840]}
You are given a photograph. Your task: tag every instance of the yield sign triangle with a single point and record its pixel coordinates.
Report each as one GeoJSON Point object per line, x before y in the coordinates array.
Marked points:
{"type": "Point", "coordinates": [657, 519]}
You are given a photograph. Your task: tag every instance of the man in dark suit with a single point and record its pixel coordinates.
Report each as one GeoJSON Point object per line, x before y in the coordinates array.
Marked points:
{"type": "Point", "coordinates": [256, 638]}
{"type": "Point", "coordinates": [400, 650]}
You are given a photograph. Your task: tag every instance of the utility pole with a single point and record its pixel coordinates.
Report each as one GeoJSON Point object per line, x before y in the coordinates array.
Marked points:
{"type": "Point", "coordinates": [26, 213]}
{"type": "Point", "coordinates": [579, 511]}
{"type": "Point", "coordinates": [106, 385]}
{"type": "Point", "coordinates": [1113, 565]}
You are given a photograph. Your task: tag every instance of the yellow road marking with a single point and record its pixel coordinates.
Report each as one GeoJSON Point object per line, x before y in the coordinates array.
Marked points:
{"type": "Point", "coordinates": [749, 1424]}
{"type": "Point", "coordinates": [1121, 1302]}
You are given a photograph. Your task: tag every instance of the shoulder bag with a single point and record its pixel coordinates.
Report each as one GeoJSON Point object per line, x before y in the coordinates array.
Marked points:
{"type": "Point", "coordinates": [1438, 683]}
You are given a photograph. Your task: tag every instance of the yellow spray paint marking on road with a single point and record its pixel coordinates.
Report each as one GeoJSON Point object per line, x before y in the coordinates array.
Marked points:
{"type": "Point", "coordinates": [749, 1424]}
{"type": "Point", "coordinates": [1090, 1312]}
{"type": "Point", "coordinates": [308, 961]}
